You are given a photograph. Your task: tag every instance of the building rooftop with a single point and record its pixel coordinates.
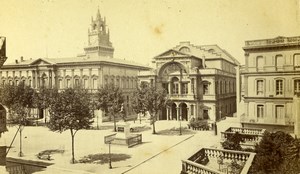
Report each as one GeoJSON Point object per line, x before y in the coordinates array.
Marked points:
{"type": "Point", "coordinates": [273, 42]}
{"type": "Point", "coordinates": [74, 60]}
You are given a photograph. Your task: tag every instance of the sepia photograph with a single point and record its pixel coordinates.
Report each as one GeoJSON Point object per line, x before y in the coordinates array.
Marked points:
{"type": "Point", "coordinates": [150, 87]}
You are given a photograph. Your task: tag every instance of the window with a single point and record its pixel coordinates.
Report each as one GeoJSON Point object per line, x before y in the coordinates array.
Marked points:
{"type": "Point", "coordinates": [175, 88]}
{"type": "Point", "coordinates": [60, 84]}
{"type": "Point", "coordinates": [260, 111]}
{"type": "Point", "coordinates": [260, 62]}
{"type": "Point", "coordinates": [68, 83]}
{"type": "Point", "coordinates": [85, 83]}
{"type": "Point", "coordinates": [76, 82]}
{"type": "Point", "coordinates": [297, 60]}
{"type": "Point", "coordinates": [29, 83]}
{"type": "Point", "coordinates": [3, 82]}
{"type": "Point", "coordinates": [117, 82]}
{"type": "Point", "coordinates": [279, 113]}
{"type": "Point", "coordinates": [94, 83]}
{"type": "Point", "coordinates": [205, 114]}
{"type": "Point", "coordinates": [279, 87]}
{"type": "Point", "coordinates": [279, 61]}
{"type": "Point", "coordinates": [259, 87]}
{"type": "Point", "coordinates": [192, 109]}
{"type": "Point", "coordinates": [205, 88]}
{"type": "Point", "coordinates": [184, 88]}
{"type": "Point", "coordinates": [296, 87]}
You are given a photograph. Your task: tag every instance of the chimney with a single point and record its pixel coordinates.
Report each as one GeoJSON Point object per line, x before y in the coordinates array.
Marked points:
{"type": "Point", "coordinates": [22, 59]}
{"type": "Point", "coordinates": [16, 61]}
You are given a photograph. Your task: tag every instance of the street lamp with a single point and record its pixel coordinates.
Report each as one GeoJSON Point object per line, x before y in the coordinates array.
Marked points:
{"type": "Point", "coordinates": [109, 156]}
{"type": "Point", "coordinates": [21, 153]}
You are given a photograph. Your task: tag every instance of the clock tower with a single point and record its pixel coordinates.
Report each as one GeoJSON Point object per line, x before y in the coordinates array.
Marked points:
{"type": "Point", "coordinates": [98, 38]}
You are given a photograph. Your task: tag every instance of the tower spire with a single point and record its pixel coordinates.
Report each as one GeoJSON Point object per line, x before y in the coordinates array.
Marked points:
{"type": "Point", "coordinates": [98, 14]}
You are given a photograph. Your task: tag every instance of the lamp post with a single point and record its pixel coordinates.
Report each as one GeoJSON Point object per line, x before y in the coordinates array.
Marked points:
{"type": "Point", "coordinates": [109, 156]}
{"type": "Point", "coordinates": [21, 153]}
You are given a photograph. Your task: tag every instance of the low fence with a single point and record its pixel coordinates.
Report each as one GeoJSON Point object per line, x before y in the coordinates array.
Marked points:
{"type": "Point", "coordinates": [132, 140]}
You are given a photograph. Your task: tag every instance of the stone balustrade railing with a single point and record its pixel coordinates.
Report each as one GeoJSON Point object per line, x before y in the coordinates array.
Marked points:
{"type": "Point", "coordinates": [191, 166]}
{"type": "Point", "coordinates": [250, 136]}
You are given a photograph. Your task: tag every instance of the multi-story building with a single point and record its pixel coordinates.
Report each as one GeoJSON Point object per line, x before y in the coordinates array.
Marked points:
{"type": "Point", "coordinates": [269, 81]}
{"type": "Point", "coordinates": [91, 70]}
{"type": "Point", "coordinates": [200, 81]}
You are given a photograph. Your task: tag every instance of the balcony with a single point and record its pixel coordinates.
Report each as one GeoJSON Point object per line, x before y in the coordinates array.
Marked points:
{"type": "Point", "coordinates": [250, 136]}
{"type": "Point", "coordinates": [181, 96]}
{"type": "Point", "coordinates": [217, 161]}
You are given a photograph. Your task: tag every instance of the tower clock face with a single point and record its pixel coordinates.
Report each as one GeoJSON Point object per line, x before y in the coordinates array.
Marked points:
{"type": "Point", "coordinates": [93, 40]}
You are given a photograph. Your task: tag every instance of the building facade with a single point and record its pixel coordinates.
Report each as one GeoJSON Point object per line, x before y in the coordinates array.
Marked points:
{"type": "Point", "coordinates": [269, 81]}
{"type": "Point", "coordinates": [91, 70]}
{"type": "Point", "coordinates": [200, 81]}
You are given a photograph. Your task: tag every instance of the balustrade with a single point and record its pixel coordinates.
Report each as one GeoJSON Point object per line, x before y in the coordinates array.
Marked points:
{"type": "Point", "coordinates": [190, 166]}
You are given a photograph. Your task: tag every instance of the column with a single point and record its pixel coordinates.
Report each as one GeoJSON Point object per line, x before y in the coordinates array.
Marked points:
{"type": "Point", "coordinates": [99, 78]}
{"type": "Point", "coordinates": [53, 84]}
{"type": "Point", "coordinates": [179, 87]}
{"type": "Point", "coordinates": [36, 79]}
{"type": "Point", "coordinates": [190, 87]}
{"type": "Point", "coordinates": [178, 112]}
{"type": "Point", "coordinates": [72, 78]}
{"type": "Point", "coordinates": [81, 79]}
{"type": "Point", "coordinates": [90, 78]}
{"type": "Point", "coordinates": [167, 112]}
{"type": "Point", "coordinates": [169, 88]}
{"type": "Point", "coordinates": [64, 79]}
{"type": "Point", "coordinates": [49, 78]}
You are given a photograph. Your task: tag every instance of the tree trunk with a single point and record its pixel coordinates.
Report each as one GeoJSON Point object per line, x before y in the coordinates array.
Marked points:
{"type": "Point", "coordinates": [115, 126]}
{"type": "Point", "coordinates": [153, 125]}
{"type": "Point", "coordinates": [73, 136]}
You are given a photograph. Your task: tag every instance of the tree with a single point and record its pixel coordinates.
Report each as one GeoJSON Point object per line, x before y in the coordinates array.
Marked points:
{"type": "Point", "coordinates": [42, 98]}
{"type": "Point", "coordinates": [233, 141]}
{"type": "Point", "coordinates": [69, 110]}
{"type": "Point", "coordinates": [110, 100]}
{"type": "Point", "coordinates": [18, 99]}
{"type": "Point", "coordinates": [139, 102]}
{"type": "Point", "coordinates": [271, 152]}
{"type": "Point", "coordinates": [151, 99]}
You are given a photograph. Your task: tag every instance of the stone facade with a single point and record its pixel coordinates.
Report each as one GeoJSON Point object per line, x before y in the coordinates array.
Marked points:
{"type": "Point", "coordinates": [269, 80]}
{"type": "Point", "coordinates": [92, 70]}
{"type": "Point", "coordinates": [200, 81]}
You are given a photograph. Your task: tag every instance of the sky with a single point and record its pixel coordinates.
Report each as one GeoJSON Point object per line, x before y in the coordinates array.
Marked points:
{"type": "Point", "coordinates": [142, 29]}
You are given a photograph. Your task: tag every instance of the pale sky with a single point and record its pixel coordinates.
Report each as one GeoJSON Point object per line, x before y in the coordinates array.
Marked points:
{"type": "Point", "coordinates": [142, 29]}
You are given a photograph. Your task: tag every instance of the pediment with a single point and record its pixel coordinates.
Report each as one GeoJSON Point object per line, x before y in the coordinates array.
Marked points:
{"type": "Point", "coordinates": [171, 53]}
{"type": "Point", "coordinates": [41, 62]}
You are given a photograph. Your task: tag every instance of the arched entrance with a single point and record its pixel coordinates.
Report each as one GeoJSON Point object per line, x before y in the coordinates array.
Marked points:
{"type": "Point", "coordinates": [174, 112]}
{"type": "Point", "coordinates": [163, 115]}
{"type": "Point", "coordinates": [184, 111]}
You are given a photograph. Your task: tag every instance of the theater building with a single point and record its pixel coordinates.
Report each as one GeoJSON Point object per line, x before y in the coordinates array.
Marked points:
{"type": "Point", "coordinates": [269, 80]}
{"type": "Point", "coordinates": [93, 69]}
{"type": "Point", "coordinates": [200, 81]}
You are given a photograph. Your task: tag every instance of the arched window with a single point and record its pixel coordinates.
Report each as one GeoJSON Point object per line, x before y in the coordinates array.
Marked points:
{"type": "Point", "coordinates": [185, 49]}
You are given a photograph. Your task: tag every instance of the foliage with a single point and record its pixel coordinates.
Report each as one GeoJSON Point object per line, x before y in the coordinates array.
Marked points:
{"type": "Point", "coordinates": [277, 153]}
{"type": "Point", "coordinates": [153, 99]}
{"type": "Point", "coordinates": [196, 123]}
{"type": "Point", "coordinates": [139, 100]}
{"type": "Point", "coordinates": [69, 110]}
{"type": "Point", "coordinates": [110, 100]}
{"type": "Point", "coordinates": [18, 99]}
{"type": "Point", "coordinates": [233, 141]}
